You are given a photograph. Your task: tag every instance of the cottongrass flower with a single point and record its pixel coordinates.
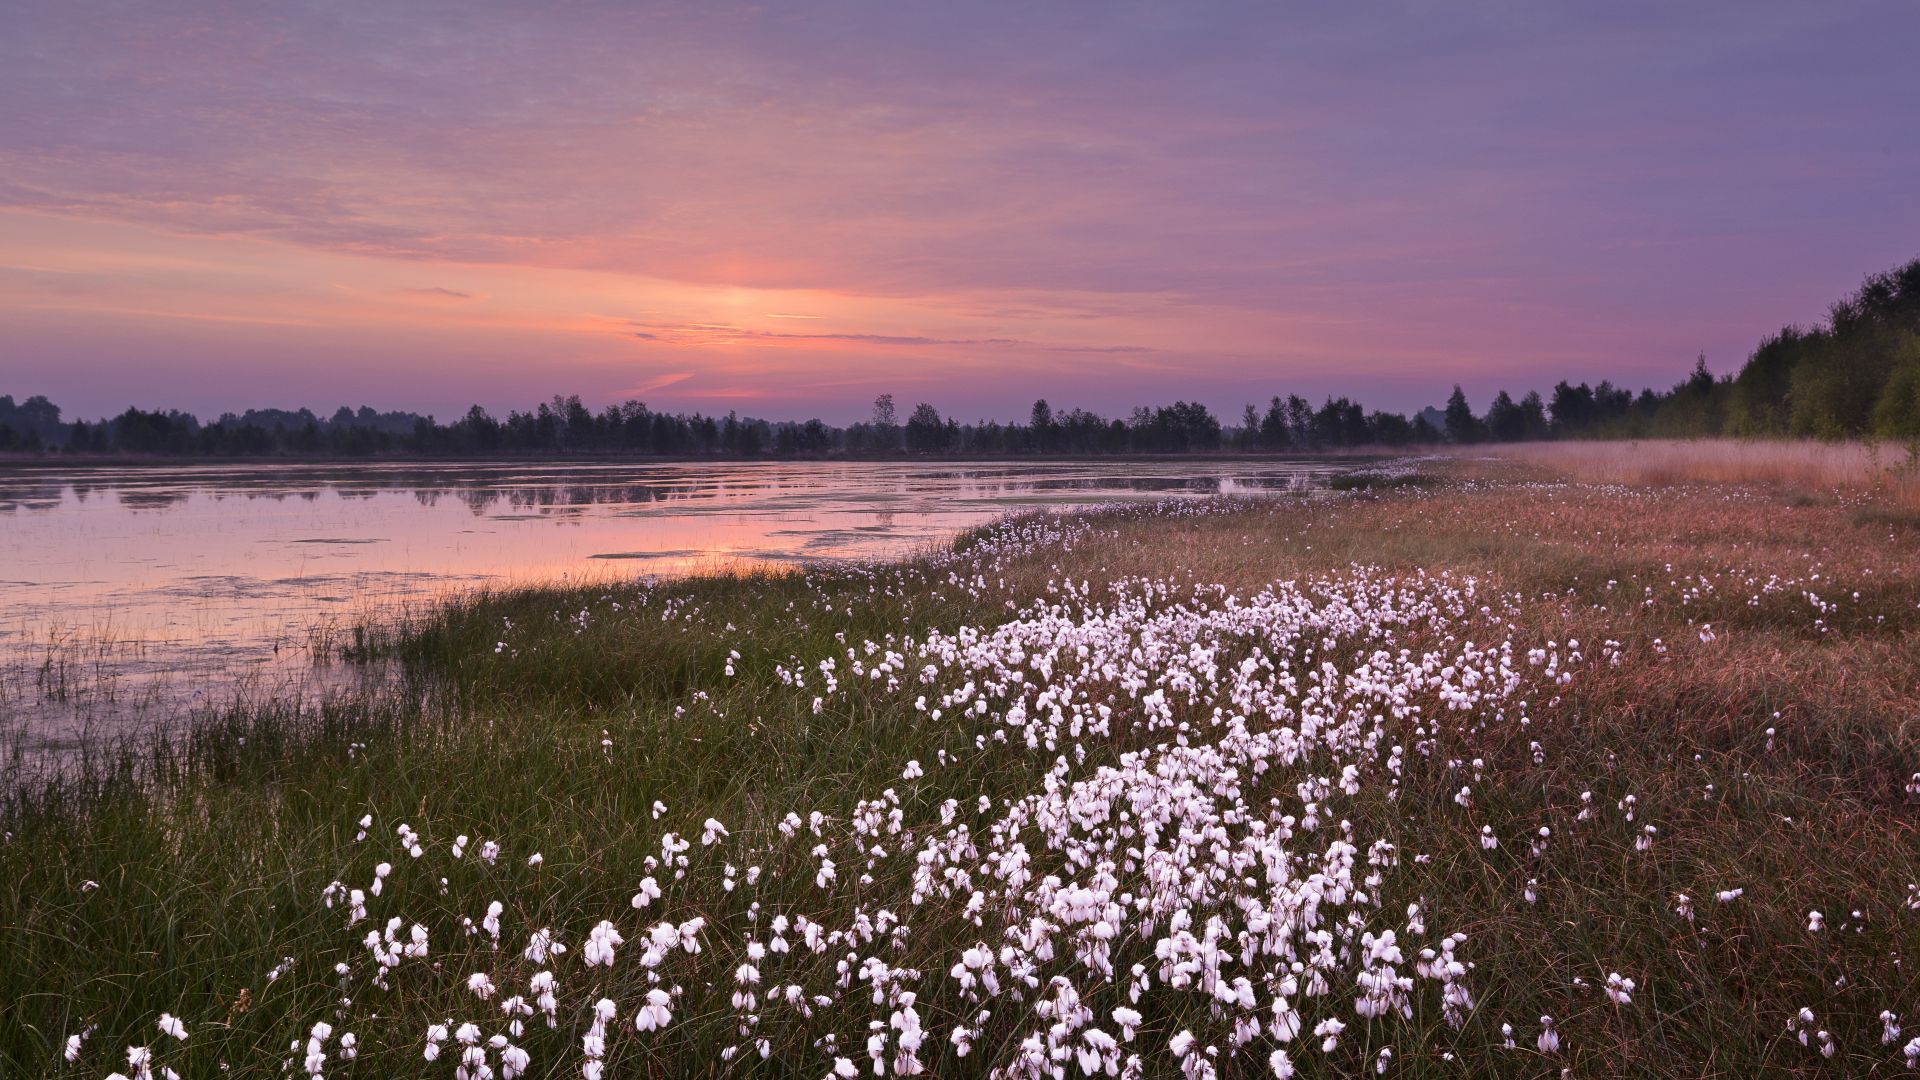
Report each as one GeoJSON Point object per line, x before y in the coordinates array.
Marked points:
{"type": "Point", "coordinates": [542, 986]}
{"type": "Point", "coordinates": [542, 944]}
{"type": "Point", "coordinates": [514, 1062]}
{"type": "Point", "coordinates": [1683, 906]}
{"type": "Point", "coordinates": [1328, 1032]}
{"type": "Point", "coordinates": [593, 1045]}
{"type": "Point", "coordinates": [1549, 1041]}
{"type": "Point", "coordinates": [74, 1042]}
{"type": "Point", "coordinates": [315, 1062]}
{"type": "Point", "coordinates": [1619, 988]}
{"type": "Point", "coordinates": [140, 1061]}
{"type": "Point", "coordinates": [436, 1034]}
{"type": "Point", "coordinates": [656, 1014]}
{"type": "Point", "coordinates": [601, 942]}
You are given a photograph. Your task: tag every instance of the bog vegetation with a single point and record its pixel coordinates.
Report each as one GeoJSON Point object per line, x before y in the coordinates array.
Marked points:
{"type": "Point", "coordinates": [1492, 775]}
{"type": "Point", "coordinates": [1855, 376]}
{"type": "Point", "coordinates": [1884, 476]}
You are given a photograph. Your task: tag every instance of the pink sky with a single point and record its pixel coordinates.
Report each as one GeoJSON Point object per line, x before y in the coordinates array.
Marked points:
{"type": "Point", "coordinates": [788, 209]}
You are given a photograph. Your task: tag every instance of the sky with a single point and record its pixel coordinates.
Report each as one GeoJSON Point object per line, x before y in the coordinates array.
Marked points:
{"type": "Point", "coordinates": [787, 208]}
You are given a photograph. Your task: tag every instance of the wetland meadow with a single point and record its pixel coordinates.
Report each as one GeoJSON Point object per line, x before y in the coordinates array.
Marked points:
{"type": "Point", "coordinates": [1447, 767]}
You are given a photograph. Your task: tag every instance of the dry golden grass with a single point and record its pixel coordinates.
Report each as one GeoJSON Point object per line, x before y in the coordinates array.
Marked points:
{"type": "Point", "coordinates": [1803, 466]}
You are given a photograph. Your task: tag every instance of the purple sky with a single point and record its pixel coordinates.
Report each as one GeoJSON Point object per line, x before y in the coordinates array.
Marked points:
{"type": "Point", "coordinates": [787, 209]}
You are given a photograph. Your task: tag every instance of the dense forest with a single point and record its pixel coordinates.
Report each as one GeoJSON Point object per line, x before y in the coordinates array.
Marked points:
{"type": "Point", "coordinates": [1857, 375]}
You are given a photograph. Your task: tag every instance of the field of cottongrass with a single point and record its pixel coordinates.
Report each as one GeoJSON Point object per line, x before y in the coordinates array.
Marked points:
{"type": "Point", "coordinates": [1490, 777]}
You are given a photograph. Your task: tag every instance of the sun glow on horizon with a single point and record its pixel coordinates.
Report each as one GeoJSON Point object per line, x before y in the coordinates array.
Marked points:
{"type": "Point", "coordinates": [1184, 203]}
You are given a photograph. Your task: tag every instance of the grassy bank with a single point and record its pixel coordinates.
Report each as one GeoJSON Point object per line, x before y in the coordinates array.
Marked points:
{"type": "Point", "coordinates": [1140, 791]}
{"type": "Point", "coordinates": [1888, 472]}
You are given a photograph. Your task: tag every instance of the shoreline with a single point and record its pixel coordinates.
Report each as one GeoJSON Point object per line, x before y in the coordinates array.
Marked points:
{"type": "Point", "coordinates": [55, 461]}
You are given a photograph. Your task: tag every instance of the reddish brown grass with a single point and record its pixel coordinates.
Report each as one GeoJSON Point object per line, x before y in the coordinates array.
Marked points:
{"type": "Point", "coordinates": [1803, 467]}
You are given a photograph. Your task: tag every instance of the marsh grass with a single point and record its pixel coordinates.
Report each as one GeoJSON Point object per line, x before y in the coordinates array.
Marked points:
{"type": "Point", "coordinates": [1803, 468]}
{"type": "Point", "coordinates": [551, 720]}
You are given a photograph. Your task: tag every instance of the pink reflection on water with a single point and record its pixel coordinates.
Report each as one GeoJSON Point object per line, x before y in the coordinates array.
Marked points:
{"type": "Point", "coordinates": [130, 592]}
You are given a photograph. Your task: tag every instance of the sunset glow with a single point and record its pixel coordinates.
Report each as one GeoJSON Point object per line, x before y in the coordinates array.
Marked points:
{"type": "Point", "coordinates": [787, 210]}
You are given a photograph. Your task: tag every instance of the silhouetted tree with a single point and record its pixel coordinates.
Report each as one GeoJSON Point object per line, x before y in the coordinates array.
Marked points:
{"type": "Point", "coordinates": [1462, 427]}
{"type": "Point", "coordinates": [926, 434]}
{"type": "Point", "coordinates": [1041, 428]}
{"type": "Point", "coordinates": [1505, 421]}
{"type": "Point", "coordinates": [1571, 408]}
{"type": "Point", "coordinates": [1533, 416]}
{"type": "Point", "coordinates": [1276, 431]}
{"type": "Point", "coordinates": [886, 429]}
{"type": "Point", "coordinates": [1340, 423]}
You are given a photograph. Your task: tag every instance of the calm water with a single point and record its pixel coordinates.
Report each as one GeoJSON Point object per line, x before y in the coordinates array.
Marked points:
{"type": "Point", "coordinates": [126, 593]}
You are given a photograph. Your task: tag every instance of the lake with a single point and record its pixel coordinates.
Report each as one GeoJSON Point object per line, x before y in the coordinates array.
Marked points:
{"type": "Point", "coordinates": [130, 592]}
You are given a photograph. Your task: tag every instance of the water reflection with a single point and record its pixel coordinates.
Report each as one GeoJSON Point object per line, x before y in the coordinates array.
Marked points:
{"type": "Point", "coordinates": [154, 584]}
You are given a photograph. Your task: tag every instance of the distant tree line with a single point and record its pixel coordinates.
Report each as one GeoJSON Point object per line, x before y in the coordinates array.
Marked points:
{"type": "Point", "coordinates": [1855, 375]}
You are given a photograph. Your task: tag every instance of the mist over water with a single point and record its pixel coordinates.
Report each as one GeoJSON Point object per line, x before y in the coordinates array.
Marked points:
{"type": "Point", "coordinates": [130, 595]}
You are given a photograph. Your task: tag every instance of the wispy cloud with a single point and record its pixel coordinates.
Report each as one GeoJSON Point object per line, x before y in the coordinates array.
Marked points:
{"type": "Point", "coordinates": [658, 382]}
{"type": "Point", "coordinates": [724, 334]}
{"type": "Point", "coordinates": [1138, 200]}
